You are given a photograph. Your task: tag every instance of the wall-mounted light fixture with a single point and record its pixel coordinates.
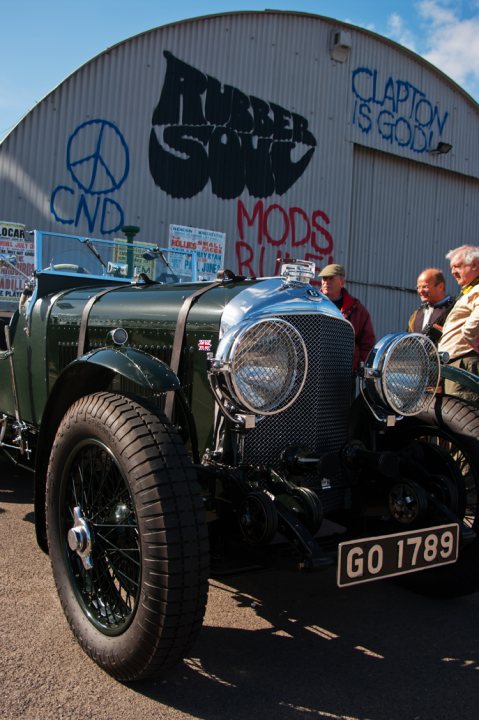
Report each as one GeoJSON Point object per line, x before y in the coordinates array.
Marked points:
{"type": "Point", "coordinates": [442, 148]}
{"type": "Point", "coordinates": [340, 45]}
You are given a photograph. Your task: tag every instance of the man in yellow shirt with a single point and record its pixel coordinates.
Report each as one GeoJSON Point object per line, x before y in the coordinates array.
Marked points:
{"type": "Point", "coordinates": [460, 334]}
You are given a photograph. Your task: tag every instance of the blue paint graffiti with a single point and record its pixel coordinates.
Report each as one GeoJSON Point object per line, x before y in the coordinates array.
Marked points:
{"type": "Point", "coordinates": [98, 162]}
{"type": "Point", "coordinates": [397, 110]}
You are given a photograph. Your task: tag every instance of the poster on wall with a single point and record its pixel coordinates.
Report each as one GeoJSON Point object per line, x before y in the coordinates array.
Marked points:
{"type": "Point", "coordinates": [18, 251]}
{"type": "Point", "coordinates": [209, 246]}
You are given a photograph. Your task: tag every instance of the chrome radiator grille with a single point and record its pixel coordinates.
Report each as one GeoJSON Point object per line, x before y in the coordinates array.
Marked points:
{"type": "Point", "coordinates": [318, 419]}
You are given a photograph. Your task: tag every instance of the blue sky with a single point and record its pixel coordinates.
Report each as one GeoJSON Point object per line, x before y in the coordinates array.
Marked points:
{"type": "Point", "coordinates": [44, 41]}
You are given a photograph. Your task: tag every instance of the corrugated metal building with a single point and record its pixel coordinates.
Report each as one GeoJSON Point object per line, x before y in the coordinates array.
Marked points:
{"type": "Point", "coordinates": [290, 133]}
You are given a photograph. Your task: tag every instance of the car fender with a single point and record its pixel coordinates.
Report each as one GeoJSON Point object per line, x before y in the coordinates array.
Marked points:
{"type": "Point", "coordinates": [461, 376]}
{"type": "Point", "coordinates": [136, 365]}
{"type": "Point", "coordinates": [92, 372]}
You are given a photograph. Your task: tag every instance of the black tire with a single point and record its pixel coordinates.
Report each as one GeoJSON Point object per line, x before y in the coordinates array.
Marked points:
{"type": "Point", "coordinates": [140, 608]}
{"type": "Point", "coordinates": [450, 429]}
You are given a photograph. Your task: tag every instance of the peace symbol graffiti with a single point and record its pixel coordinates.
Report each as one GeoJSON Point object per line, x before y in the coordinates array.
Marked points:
{"type": "Point", "coordinates": [97, 157]}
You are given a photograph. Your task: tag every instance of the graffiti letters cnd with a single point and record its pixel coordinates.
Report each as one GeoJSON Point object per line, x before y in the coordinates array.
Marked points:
{"type": "Point", "coordinates": [98, 162]}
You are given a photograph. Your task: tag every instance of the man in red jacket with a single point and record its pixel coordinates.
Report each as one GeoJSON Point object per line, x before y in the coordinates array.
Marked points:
{"type": "Point", "coordinates": [333, 278]}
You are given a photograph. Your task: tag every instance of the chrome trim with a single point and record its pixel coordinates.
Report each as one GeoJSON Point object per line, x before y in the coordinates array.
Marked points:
{"type": "Point", "coordinates": [228, 366]}
{"type": "Point", "coordinates": [401, 374]}
{"type": "Point", "coordinates": [298, 271]}
{"type": "Point", "coordinates": [274, 296]}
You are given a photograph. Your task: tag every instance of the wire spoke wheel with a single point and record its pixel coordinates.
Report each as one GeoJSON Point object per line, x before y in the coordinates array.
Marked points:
{"type": "Point", "coordinates": [447, 438]}
{"type": "Point", "coordinates": [127, 535]}
{"type": "Point", "coordinates": [108, 587]}
{"type": "Point", "coordinates": [460, 463]}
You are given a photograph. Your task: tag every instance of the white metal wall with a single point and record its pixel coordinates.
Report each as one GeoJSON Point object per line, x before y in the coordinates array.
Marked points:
{"type": "Point", "coordinates": [404, 218]}
{"type": "Point", "coordinates": [370, 196]}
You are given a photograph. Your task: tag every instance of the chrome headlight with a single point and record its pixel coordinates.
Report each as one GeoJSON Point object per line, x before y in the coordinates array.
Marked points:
{"type": "Point", "coordinates": [402, 373]}
{"type": "Point", "coordinates": [262, 365]}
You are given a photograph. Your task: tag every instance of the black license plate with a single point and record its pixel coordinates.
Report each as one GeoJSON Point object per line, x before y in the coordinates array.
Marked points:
{"type": "Point", "coordinates": [374, 558]}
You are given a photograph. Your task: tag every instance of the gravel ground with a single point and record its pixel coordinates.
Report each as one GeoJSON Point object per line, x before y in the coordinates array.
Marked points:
{"type": "Point", "coordinates": [275, 644]}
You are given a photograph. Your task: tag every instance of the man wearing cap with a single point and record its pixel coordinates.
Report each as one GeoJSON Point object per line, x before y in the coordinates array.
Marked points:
{"type": "Point", "coordinates": [333, 278]}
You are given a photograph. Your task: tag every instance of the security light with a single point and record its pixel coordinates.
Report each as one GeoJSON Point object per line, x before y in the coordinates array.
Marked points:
{"type": "Point", "coordinates": [442, 148]}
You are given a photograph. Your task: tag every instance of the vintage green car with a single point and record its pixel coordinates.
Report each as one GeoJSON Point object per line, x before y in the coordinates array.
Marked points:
{"type": "Point", "coordinates": [177, 429]}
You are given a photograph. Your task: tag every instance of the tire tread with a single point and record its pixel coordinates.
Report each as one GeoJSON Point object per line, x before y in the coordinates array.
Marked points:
{"type": "Point", "coordinates": [172, 525]}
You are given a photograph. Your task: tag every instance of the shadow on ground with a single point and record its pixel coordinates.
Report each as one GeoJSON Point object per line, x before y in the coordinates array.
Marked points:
{"type": "Point", "coordinates": [374, 652]}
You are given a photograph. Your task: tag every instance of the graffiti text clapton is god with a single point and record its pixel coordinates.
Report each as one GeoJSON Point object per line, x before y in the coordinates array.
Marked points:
{"type": "Point", "coordinates": [397, 110]}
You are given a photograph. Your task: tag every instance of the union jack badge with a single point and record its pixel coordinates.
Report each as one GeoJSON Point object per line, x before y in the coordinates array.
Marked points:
{"type": "Point", "coordinates": [204, 345]}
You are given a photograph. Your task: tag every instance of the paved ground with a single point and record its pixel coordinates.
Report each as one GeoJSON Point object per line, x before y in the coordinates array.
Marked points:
{"type": "Point", "coordinates": [275, 645]}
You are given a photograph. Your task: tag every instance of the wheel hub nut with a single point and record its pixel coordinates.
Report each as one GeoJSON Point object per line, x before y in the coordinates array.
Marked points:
{"type": "Point", "coordinates": [80, 539]}
{"type": "Point", "coordinates": [77, 539]}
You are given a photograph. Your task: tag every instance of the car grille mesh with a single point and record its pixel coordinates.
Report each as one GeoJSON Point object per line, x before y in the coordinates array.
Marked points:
{"type": "Point", "coordinates": [317, 420]}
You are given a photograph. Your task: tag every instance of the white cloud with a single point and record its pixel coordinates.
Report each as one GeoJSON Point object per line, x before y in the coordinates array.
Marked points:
{"type": "Point", "coordinates": [437, 12]}
{"type": "Point", "coordinates": [451, 42]}
{"type": "Point", "coordinates": [446, 38]}
{"type": "Point", "coordinates": [400, 33]}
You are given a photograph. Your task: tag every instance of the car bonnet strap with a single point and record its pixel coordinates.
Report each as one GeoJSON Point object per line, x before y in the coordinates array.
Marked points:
{"type": "Point", "coordinates": [85, 316]}
{"type": "Point", "coordinates": [180, 336]}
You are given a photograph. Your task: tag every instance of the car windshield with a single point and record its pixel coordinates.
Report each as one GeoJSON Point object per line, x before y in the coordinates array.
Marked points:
{"type": "Point", "coordinates": [120, 259]}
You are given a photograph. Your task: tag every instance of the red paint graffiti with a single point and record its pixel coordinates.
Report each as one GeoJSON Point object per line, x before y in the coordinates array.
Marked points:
{"type": "Point", "coordinates": [292, 232]}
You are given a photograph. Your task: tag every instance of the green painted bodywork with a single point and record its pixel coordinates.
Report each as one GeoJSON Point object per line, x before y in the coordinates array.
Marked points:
{"type": "Point", "coordinates": [45, 344]}
{"type": "Point", "coordinates": [134, 365]}
{"type": "Point", "coordinates": [463, 377]}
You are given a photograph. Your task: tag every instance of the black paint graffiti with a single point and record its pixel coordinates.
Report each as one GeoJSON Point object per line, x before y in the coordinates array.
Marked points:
{"type": "Point", "coordinates": [205, 131]}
